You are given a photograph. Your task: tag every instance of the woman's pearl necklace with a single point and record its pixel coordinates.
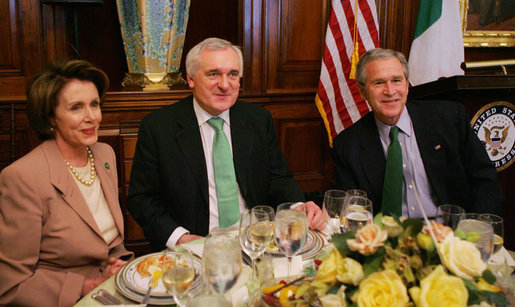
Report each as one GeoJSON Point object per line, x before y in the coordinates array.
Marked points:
{"type": "Point", "coordinates": [92, 170]}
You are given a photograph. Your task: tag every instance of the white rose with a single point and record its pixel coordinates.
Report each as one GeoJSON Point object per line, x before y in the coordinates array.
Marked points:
{"type": "Point", "coordinates": [461, 257]}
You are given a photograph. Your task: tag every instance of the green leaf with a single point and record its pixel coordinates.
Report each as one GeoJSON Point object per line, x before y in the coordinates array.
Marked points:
{"type": "Point", "coordinates": [476, 296]}
{"type": "Point", "coordinates": [378, 220]}
{"type": "Point", "coordinates": [412, 227]}
{"type": "Point", "coordinates": [460, 234]}
{"type": "Point", "coordinates": [489, 277]}
{"type": "Point", "coordinates": [340, 242]}
{"type": "Point", "coordinates": [495, 298]}
{"type": "Point", "coordinates": [333, 289]}
{"type": "Point", "coordinates": [374, 262]}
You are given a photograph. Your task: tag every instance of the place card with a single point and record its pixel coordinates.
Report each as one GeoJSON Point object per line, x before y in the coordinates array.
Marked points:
{"type": "Point", "coordinates": [281, 266]}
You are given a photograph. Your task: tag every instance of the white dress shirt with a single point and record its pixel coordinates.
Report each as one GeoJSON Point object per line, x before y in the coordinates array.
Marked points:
{"type": "Point", "coordinates": [207, 134]}
{"type": "Point", "coordinates": [414, 174]}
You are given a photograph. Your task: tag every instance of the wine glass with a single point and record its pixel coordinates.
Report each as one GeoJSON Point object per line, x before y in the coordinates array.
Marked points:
{"type": "Point", "coordinates": [334, 201]}
{"type": "Point", "coordinates": [357, 213]}
{"type": "Point", "coordinates": [449, 215]}
{"type": "Point", "coordinates": [255, 233]}
{"type": "Point", "coordinates": [356, 192]}
{"type": "Point", "coordinates": [498, 226]}
{"type": "Point", "coordinates": [290, 231]}
{"type": "Point", "coordinates": [209, 300]}
{"type": "Point", "coordinates": [221, 262]}
{"type": "Point", "coordinates": [479, 230]}
{"type": "Point", "coordinates": [179, 273]}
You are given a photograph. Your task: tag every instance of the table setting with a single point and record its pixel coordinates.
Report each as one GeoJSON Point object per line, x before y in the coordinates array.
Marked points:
{"type": "Point", "coordinates": [272, 258]}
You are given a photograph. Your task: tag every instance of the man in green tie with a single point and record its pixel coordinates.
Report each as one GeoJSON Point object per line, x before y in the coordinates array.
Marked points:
{"type": "Point", "coordinates": [404, 151]}
{"type": "Point", "coordinates": [203, 160]}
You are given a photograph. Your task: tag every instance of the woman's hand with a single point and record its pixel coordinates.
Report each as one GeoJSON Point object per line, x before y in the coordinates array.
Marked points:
{"type": "Point", "coordinates": [113, 266]}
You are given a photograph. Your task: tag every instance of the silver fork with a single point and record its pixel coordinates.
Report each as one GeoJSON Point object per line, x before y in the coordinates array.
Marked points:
{"type": "Point", "coordinates": [151, 284]}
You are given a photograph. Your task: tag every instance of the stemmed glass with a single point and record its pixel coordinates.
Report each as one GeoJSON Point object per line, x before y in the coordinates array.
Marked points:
{"type": "Point", "coordinates": [290, 231]}
{"type": "Point", "coordinates": [480, 229]}
{"type": "Point", "coordinates": [498, 226]}
{"type": "Point", "coordinates": [334, 201]}
{"type": "Point", "coordinates": [221, 262]}
{"type": "Point", "coordinates": [449, 215]}
{"type": "Point", "coordinates": [357, 213]}
{"type": "Point", "coordinates": [180, 274]}
{"type": "Point", "coordinates": [255, 233]}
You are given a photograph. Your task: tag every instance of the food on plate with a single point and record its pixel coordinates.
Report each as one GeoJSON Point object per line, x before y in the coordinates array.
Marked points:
{"type": "Point", "coordinates": [149, 265]}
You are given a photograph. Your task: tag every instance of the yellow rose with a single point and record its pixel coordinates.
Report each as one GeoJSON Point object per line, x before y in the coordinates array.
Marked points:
{"type": "Point", "coordinates": [384, 288]}
{"type": "Point", "coordinates": [327, 269]}
{"type": "Point", "coordinates": [391, 226]}
{"type": "Point", "coordinates": [333, 300]}
{"type": "Point", "coordinates": [349, 271]}
{"type": "Point", "coordinates": [440, 289]}
{"type": "Point", "coordinates": [461, 257]}
{"type": "Point", "coordinates": [368, 239]}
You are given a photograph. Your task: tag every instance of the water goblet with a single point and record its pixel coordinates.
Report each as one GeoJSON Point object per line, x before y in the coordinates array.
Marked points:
{"type": "Point", "coordinates": [221, 262]}
{"type": "Point", "coordinates": [334, 201]}
{"type": "Point", "coordinates": [480, 231]}
{"type": "Point", "coordinates": [255, 233]}
{"type": "Point", "coordinates": [449, 215]}
{"type": "Point", "coordinates": [180, 274]}
{"type": "Point", "coordinates": [358, 212]}
{"type": "Point", "coordinates": [498, 226]}
{"type": "Point", "coordinates": [356, 192]}
{"type": "Point", "coordinates": [290, 231]}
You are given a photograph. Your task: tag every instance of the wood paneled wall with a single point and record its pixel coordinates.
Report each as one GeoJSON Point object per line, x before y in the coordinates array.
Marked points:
{"type": "Point", "coordinates": [282, 42]}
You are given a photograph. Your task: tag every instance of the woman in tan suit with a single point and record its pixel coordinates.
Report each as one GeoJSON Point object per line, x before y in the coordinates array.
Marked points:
{"type": "Point", "coordinates": [61, 227]}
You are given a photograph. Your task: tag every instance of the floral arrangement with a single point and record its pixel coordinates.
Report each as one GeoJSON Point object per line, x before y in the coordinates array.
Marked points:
{"type": "Point", "coordinates": [394, 263]}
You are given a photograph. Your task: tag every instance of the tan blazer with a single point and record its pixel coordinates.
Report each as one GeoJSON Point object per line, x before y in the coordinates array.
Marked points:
{"type": "Point", "coordinates": [49, 240]}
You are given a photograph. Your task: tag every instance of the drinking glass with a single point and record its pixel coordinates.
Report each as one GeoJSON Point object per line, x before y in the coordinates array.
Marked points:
{"type": "Point", "coordinates": [179, 276]}
{"type": "Point", "coordinates": [290, 231]}
{"type": "Point", "coordinates": [334, 201]}
{"type": "Point", "coordinates": [255, 233]}
{"type": "Point", "coordinates": [221, 262]}
{"type": "Point", "coordinates": [269, 210]}
{"type": "Point", "coordinates": [358, 212]}
{"type": "Point", "coordinates": [479, 228]}
{"type": "Point", "coordinates": [449, 215]}
{"type": "Point", "coordinates": [498, 226]}
{"type": "Point", "coordinates": [356, 192]}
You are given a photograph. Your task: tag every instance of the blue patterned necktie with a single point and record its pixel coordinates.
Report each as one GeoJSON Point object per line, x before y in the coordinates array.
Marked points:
{"type": "Point", "coordinates": [392, 188]}
{"type": "Point", "coordinates": [225, 176]}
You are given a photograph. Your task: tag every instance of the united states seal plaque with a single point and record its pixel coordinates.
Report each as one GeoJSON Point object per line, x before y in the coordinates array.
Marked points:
{"type": "Point", "coordinates": [494, 124]}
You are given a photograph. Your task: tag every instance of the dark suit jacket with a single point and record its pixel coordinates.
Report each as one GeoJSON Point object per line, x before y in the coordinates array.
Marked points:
{"type": "Point", "coordinates": [169, 186]}
{"type": "Point", "coordinates": [455, 161]}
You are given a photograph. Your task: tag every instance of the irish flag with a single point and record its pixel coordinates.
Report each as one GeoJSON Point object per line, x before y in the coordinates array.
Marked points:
{"type": "Point", "coordinates": [437, 49]}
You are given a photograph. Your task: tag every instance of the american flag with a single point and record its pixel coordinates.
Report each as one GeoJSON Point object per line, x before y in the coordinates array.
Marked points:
{"type": "Point", "coordinates": [338, 98]}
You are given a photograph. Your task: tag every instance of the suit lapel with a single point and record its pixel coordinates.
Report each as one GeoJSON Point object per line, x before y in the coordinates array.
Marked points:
{"type": "Point", "coordinates": [242, 145]}
{"type": "Point", "coordinates": [190, 142]}
{"type": "Point", "coordinates": [431, 146]}
{"type": "Point", "coordinates": [372, 157]}
{"type": "Point", "coordinates": [108, 180]}
{"type": "Point", "coordinates": [62, 180]}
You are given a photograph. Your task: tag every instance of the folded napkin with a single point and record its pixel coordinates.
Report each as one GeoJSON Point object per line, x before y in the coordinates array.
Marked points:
{"type": "Point", "coordinates": [502, 257]}
{"type": "Point", "coordinates": [281, 266]}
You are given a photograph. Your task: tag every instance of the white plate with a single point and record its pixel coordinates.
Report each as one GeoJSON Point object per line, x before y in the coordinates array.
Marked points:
{"type": "Point", "coordinates": [128, 278]}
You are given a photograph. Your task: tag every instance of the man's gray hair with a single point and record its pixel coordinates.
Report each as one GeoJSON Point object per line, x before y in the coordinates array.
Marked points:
{"type": "Point", "coordinates": [374, 54]}
{"type": "Point", "coordinates": [212, 43]}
